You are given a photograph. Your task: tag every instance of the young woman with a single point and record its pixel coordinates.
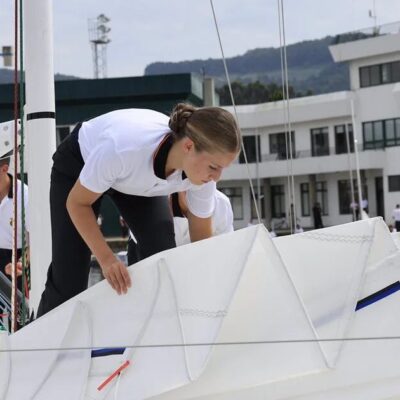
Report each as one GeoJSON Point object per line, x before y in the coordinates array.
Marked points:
{"type": "Point", "coordinates": [137, 157]}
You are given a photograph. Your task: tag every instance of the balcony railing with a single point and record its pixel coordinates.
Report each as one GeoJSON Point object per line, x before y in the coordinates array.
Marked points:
{"type": "Point", "coordinates": [386, 29]}
{"type": "Point", "coordinates": [306, 154]}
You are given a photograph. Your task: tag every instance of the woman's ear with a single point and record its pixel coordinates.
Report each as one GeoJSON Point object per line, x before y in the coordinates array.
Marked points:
{"type": "Point", "coordinates": [187, 145]}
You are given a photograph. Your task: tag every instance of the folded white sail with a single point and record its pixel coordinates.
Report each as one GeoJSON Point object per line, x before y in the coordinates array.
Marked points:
{"type": "Point", "coordinates": [237, 316]}
{"type": "Point", "coordinates": [333, 270]}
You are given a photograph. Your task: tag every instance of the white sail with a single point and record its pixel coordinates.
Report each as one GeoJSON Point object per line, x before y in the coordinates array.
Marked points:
{"type": "Point", "coordinates": [318, 261]}
{"type": "Point", "coordinates": [233, 317]}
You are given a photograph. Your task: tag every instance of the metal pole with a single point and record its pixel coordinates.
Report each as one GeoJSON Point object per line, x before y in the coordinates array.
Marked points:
{"type": "Point", "coordinates": [258, 175]}
{"type": "Point", "coordinates": [350, 169]}
{"type": "Point", "coordinates": [360, 198]}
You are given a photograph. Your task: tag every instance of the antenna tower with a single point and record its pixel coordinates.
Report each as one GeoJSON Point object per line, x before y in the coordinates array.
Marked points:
{"type": "Point", "coordinates": [98, 37]}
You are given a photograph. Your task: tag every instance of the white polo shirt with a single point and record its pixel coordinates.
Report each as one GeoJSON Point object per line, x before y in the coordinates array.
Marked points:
{"type": "Point", "coordinates": [126, 150]}
{"type": "Point", "coordinates": [7, 215]}
{"type": "Point", "coordinates": [222, 220]}
{"type": "Point", "coordinates": [396, 214]}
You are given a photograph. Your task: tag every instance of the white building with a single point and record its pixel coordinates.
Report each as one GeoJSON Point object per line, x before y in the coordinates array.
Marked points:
{"type": "Point", "coordinates": [321, 160]}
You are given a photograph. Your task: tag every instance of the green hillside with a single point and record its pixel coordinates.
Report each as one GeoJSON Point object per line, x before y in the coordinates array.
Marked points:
{"type": "Point", "coordinates": [310, 67]}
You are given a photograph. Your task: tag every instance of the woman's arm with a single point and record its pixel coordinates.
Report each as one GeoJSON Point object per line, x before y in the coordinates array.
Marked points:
{"type": "Point", "coordinates": [79, 206]}
{"type": "Point", "coordinates": [199, 228]}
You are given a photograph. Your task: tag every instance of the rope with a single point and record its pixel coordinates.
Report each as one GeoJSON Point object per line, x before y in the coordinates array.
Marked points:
{"type": "Point", "coordinates": [233, 343]}
{"type": "Point", "coordinates": [14, 301]}
{"type": "Point", "coordinates": [235, 112]}
{"type": "Point", "coordinates": [287, 120]}
{"type": "Point", "coordinates": [284, 114]}
{"type": "Point", "coordinates": [22, 166]}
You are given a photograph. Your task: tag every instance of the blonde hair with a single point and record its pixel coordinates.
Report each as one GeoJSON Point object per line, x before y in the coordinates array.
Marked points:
{"type": "Point", "coordinates": [210, 128]}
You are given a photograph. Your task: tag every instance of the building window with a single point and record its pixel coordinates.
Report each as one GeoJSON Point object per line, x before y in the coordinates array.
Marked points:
{"type": "Point", "coordinates": [277, 145]}
{"type": "Point", "coordinates": [379, 134]}
{"type": "Point", "coordinates": [305, 199]}
{"type": "Point", "coordinates": [252, 146]}
{"type": "Point", "coordinates": [392, 132]}
{"type": "Point", "coordinates": [260, 204]}
{"type": "Point", "coordinates": [320, 142]}
{"type": "Point", "coordinates": [394, 183]}
{"type": "Point", "coordinates": [278, 201]}
{"type": "Point", "coordinates": [344, 190]}
{"type": "Point", "coordinates": [321, 192]}
{"type": "Point", "coordinates": [396, 71]}
{"type": "Point", "coordinates": [380, 74]}
{"type": "Point", "coordinates": [235, 195]}
{"type": "Point", "coordinates": [61, 133]}
{"type": "Point", "coordinates": [341, 138]}
{"type": "Point", "coordinates": [364, 77]}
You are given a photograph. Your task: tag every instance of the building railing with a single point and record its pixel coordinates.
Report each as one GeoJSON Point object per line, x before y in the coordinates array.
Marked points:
{"type": "Point", "coordinates": [306, 154]}
{"type": "Point", "coordinates": [380, 30]}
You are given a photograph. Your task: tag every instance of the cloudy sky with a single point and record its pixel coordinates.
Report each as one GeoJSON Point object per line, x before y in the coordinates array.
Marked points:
{"type": "Point", "coordinates": [144, 31]}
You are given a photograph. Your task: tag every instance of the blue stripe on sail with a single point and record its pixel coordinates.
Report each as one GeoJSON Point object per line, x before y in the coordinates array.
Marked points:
{"type": "Point", "coordinates": [107, 352]}
{"type": "Point", "coordinates": [381, 294]}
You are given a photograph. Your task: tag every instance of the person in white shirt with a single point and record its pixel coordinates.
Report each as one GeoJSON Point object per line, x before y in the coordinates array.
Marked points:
{"type": "Point", "coordinates": [221, 218]}
{"type": "Point", "coordinates": [298, 229]}
{"type": "Point", "coordinates": [6, 218]}
{"type": "Point", "coordinates": [364, 205]}
{"type": "Point", "coordinates": [221, 221]}
{"type": "Point", "coordinates": [396, 217]}
{"type": "Point", "coordinates": [137, 157]}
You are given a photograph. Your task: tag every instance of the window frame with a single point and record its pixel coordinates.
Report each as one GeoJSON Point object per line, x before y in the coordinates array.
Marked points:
{"type": "Point", "coordinates": [280, 147]}
{"type": "Point", "coordinates": [314, 133]}
{"type": "Point", "coordinates": [232, 196]}
{"type": "Point", "coordinates": [252, 145]}
{"type": "Point", "coordinates": [305, 194]}
{"type": "Point", "coordinates": [391, 183]}
{"type": "Point", "coordinates": [346, 128]}
{"type": "Point", "coordinates": [366, 74]}
{"type": "Point", "coordinates": [321, 194]}
{"type": "Point", "coordinates": [278, 193]}
{"type": "Point", "coordinates": [385, 141]}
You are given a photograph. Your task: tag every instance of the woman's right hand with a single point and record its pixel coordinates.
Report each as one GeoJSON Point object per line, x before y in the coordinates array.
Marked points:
{"type": "Point", "coordinates": [117, 275]}
{"type": "Point", "coordinates": [79, 206]}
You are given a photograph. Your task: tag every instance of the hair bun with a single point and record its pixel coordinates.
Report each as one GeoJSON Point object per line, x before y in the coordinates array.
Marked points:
{"type": "Point", "coordinates": [180, 116]}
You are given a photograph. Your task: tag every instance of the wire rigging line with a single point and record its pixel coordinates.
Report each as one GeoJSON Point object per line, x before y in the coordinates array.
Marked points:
{"type": "Point", "coordinates": [284, 116]}
{"type": "Point", "coordinates": [202, 344]}
{"type": "Point", "coordinates": [287, 121]}
{"type": "Point", "coordinates": [14, 300]}
{"type": "Point", "coordinates": [22, 165]}
{"type": "Point", "coordinates": [235, 112]}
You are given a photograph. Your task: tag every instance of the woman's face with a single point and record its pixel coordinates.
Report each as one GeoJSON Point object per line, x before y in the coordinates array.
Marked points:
{"type": "Point", "coordinates": [202, 167]}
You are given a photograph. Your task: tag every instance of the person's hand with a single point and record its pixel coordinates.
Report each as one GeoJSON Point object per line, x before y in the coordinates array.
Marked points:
{"type": "Point", "coordinates": [19, 268]}
{"type": "Point", "coordinates": [117, 275]}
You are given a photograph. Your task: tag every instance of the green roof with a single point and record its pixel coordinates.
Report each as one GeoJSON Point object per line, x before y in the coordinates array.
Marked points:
{"type": "Point", "coordinates": [82, 99]}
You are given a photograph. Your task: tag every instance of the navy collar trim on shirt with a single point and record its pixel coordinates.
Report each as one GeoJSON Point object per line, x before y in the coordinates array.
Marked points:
{"type": "Point", "coordinates": [161, 155]}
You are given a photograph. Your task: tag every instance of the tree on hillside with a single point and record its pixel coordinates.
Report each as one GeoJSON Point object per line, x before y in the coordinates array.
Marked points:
{"type": "Point", "coordinates": [254, 93]}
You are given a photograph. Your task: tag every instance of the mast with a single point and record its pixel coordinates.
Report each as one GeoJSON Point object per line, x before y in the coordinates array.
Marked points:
{"type": "Point", "coordinates": [40, 134]}
{"type": "Point", "coordinates": [346, 127]}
